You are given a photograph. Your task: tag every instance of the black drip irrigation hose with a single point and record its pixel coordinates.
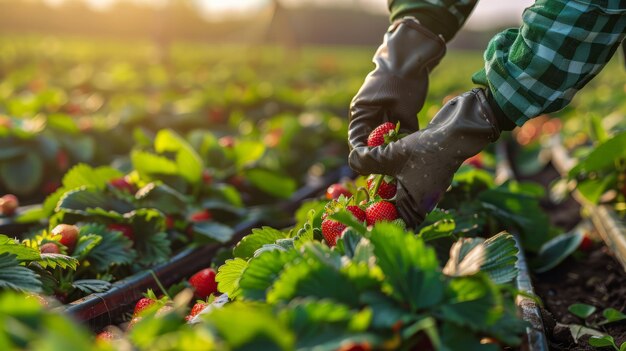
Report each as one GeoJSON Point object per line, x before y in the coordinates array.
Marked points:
{"type": "Point", "coordinates": [101, 309]}
{"type": "Point", "coordinates": [528, 309]}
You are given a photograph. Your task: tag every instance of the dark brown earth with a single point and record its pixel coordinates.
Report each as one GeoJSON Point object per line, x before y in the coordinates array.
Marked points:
{"type": "Point", "coordinates": [596, 279]}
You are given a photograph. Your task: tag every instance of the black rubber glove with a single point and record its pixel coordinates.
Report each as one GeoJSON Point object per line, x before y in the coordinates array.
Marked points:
{"type": "Point", "coordinates": [396, 89]}
{"type": "Point", "coordinates": [424, 162]}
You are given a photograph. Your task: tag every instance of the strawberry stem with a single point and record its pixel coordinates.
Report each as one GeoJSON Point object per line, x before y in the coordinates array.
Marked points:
{"type": "Point", "coordinates": [377, 183]}
{"type": "Point", "coordinates": [156, 279]}
{"type": "Point", "coordinates": [362, 190]}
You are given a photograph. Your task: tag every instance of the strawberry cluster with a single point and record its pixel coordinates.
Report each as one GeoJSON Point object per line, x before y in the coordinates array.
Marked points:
{"type": "Point", "coordinates": [369, 205]}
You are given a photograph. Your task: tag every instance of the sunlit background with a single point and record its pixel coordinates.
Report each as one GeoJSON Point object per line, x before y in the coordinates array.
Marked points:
{"type": "Point", "coordinates": [345, 22]}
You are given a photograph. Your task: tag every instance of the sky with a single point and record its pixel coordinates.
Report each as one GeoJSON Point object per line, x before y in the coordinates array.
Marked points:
{"type": "Point", "coordinates": [487, 14]}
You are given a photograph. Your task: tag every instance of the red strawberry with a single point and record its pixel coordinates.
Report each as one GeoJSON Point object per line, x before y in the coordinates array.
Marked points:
{"type": "Point", "coordinates": [169, 222]}
{"type": "Point", "coordinates": [586, 244]}
{"type": "Point", "coordinates": [63, 160]}
{"type": "Point", "coordinates": [105, 336]}
{"type": "Point", "coordinates": [332, 229]}
{"type": "Point", "coordinates": [352, 346]}
{"type": "Point", "coordinates": [197, 308]}
{"type": "Point", "coordinates": [51, 248]}
{"type": "Point", "coordinates": [8, 204]}
{"type": "Point", "coordinates": [69, 235]}
{"type": "Point", "coordinates": [335, 190]}
{"type": "Point", "coordinates": [142, 304]}
{"type": "Point", "coordinates": [476, 161]}
{"type": "Point", "coordinates": [50, 186]}
{"type": "Point", "coordinates": [200, 216]}
{"type": "Point", "coordinates": [122, 184]}
{"type": "Point", "coordinates": [357, 212]}
{"type": "Point", "coordinates": [204, 283]}
{"type": "Point", "coordinates": [377, 136]}
{"type": "Point", "coordinates": [226, 141]}
{"type": "Point", "coordinates": [381, 211]}
{"type": "Point", "coordinates": [385, 190]}
{"type": "Point", "coordinates": [207, 177]}
{"type": "Point", "coordinates": [125, 229]}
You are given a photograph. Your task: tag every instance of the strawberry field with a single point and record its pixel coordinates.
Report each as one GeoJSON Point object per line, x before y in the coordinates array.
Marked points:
{"type": "Point", "coordinates": [198, 198]}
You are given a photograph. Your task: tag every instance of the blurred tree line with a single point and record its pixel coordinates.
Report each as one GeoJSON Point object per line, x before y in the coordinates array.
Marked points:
{"type": "Point", "coordinates": [181, 20]}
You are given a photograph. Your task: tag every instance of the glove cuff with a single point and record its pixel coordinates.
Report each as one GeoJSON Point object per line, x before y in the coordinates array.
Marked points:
{"type": "Point", "coordinates": [408, 38]}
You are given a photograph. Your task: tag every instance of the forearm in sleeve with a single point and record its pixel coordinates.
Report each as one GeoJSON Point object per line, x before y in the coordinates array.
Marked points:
{"type": "Point", "coordinates": [560, 47]}
{"type": "Point", "coordinates": [443, 17]}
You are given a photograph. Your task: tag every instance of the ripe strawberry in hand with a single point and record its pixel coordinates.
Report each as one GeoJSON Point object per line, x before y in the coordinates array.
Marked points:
{"type": "Point", "coordinates": [204, 283]}
{"type": "Point", "coordinates": [381, 211]}
{"type": "Point", "coordinates": [8, 204]}
{"type": "Point", "coordinates": [69, 235]}
{"type": "Point", "coordinates": [377, 136]}
{"type": "Point", "coordinates": [387, 188]}
{"type": "Point", "coordinates": [331, 229]}
{"type": "Point", "coordinates": [335, 190]}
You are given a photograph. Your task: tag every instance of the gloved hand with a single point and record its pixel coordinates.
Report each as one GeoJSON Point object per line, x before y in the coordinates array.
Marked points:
{"type": "Point", "coordinates": [396, 89]}
{"type": "Point", "coordinates": [424, 162]}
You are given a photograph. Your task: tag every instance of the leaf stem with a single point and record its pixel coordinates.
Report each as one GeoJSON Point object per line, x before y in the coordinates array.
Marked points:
{"type": "Point", "coordinates": [156, 279]}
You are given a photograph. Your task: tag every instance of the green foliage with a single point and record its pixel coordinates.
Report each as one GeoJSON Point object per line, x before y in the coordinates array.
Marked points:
{"type": "Point", "coordinates": [17, 277]}
{"type": "Point", "coordinates": [260, 236]}
{"type": "Point", "coordinates": [112, 249]}
{"type": "Point", "coordinates": [271, 182]}
{"type": "Point", "coordinates": [556, 250]}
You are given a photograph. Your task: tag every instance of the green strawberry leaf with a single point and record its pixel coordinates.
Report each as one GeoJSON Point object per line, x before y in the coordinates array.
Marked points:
{"type": "Point", "coordinates": [612, 315]}
{"type": "Point", "coordinates": [113, 249]}
{"type": "Point", "coordinates": [411, 269]}
{"type": "Point", "coordinates": [250, 243]}
{"type": "Point", "coordinates": [556, 250]}
{"type": "Point", "coordinates": [325, 325]}
{"type": "Point", "coordinates": [161, 197]}
{"type": "Point", "coordinates": [581, 310]}
{"type": "Point", "coordinates": [86, 243]}
{"type": "Point", "coordinates": [149, 165]}
{"type": "Point", "coordinates": [262, 271]}
{"type": "Point", "coordinates": [228, 276]}
{"type": "Point", "coordinates": [246, 326]}
{"type": "Point", "coordinates": [17, 277]}
{"type": "Point", "coordinates": [83, 175]}
{"type": "Point", "coordinates": [248, 152]}
{"type": "Point", "coordinates": [57, 260]}
{"type": "Point", "coordinates": [90, 286]}
{"type": "Point", "coordinates": [501, 258]}
{"type": "Point", "coordinates": [602, 157]}
{"type": "Point", "coordinates": [212, 230]}
{"type": "Point", "coordinates": [22, 252]}
{"type": "Point", "coordinates": [472, 302]}
{"type": "Point", "coordinates": [271, 182]}
{"type": "Point", "coordinates": [22, 175]}
{"type": "Point", "coordinates": [89, 201]}
{"type": "Point", "coordinates": [188, 162]}
{"type": "Point", "coordinates": [602, 341]}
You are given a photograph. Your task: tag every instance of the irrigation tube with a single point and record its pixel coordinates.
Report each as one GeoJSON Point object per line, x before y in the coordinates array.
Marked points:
{"type": "Point", "coordinates": [528, 309]}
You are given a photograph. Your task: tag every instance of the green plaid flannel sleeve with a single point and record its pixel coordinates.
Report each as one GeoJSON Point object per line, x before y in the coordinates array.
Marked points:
{"type": "Point", "coordinates": [560, 47]}
{"type": "Point", "coordinates": [443, 17]}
